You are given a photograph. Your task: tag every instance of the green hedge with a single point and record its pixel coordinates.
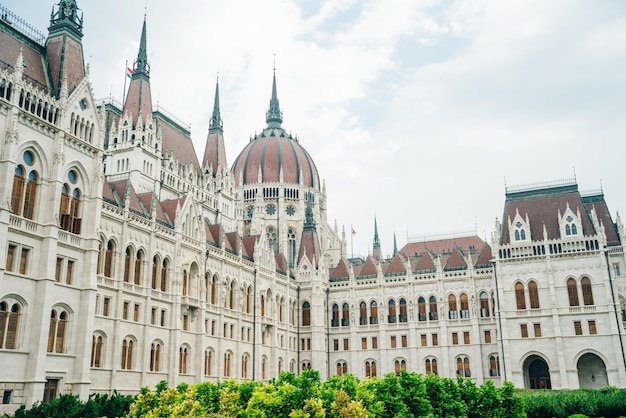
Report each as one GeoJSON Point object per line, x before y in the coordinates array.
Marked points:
{"type": "Point", "coordinates": [69, 406]}
{"type": "Point", "coordinates": [608, 402]}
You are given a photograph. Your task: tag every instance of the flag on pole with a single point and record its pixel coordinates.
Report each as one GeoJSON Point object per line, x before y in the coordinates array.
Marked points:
{"type": "Point", "coordinates": [129, 72]}
{"type": "Point", "coordinates": [353, 231]}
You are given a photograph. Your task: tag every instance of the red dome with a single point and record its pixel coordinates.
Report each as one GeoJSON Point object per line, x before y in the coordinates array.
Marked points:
{"type": "Point", "coordinates": [270, 152]}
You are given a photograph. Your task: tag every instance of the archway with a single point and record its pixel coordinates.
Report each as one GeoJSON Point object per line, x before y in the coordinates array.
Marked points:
{"type": "Point", "coordinates": [536, 373]}
{"type": "Point", "coordinates": [591, 371]}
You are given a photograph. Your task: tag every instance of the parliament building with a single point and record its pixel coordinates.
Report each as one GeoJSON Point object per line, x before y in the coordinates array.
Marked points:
{"type": "Point", "coordinates": [126, 258]}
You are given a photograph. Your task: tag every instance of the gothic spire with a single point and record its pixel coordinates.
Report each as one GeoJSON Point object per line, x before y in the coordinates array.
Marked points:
{"type": "Point", "coordinates": [215, 124]}
{"type": "Point", "coordinates": [395, 246]}
{"type": "Point", "coordinates": [66, 19]}
{"type": "Point", "coordinates": [141, 64]}
{"type": "Point", "coordinates": [274, 116]}
{"type": "Point", "coordinates": [309, 222]}
{"type": "Point", "coordinates": [376, 252]}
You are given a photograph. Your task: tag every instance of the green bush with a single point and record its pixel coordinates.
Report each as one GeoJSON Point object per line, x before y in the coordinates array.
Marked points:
{"type": "Point", "coordinates": [69, 406]}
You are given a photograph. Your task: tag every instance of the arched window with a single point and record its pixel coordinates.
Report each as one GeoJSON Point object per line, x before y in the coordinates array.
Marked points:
{"type": "Point", "coordinates": [138, 263]}
{"type": "Point", "coordinates": [56, 332]}
{"type": "Point", "coordinates": [155, 357]}
{"type": "Point", "coordinates": [431, 366]}
{"type": "Point", "coordinates": [69, 211]}
{"type": "Point", "coordinates": [494, 365]}
{"type": "Point", "coordinates": [452, 311]}
{"type": "Point", "coordinates": [164, 269]}
{"type": "Point", "coordinates": [533, 295]}
{"type": "Point", "coordinates": [227, 357]}
{"type": "Point", "coordinates": [520, 296]}
{"type": "Point", "coordinates": [484, 305]}
{"type": "Point", "coordinates": [97, 341]}
{"type": "Point", "coordinates": [342, 367]}
{"type": "Point", "coordinates": [345, 315]}
{"type": "Point", "coordinates": [155, 272]}
{"type": "Point", "coordinates": [421, 309]}
{"type": "Point", "coordinates": [306, 314]}
{"type": "Point", "coordinates": [370, 369]}
{"type": "Point", "coordinates": [183, 359]}
{"type": "Point", "coordinates": [214, 290]}
{"type": "Point", "coordinates": [373, 312]}
{"type": "Point", "coordinates": [128, 346]}
{"type": "Point", "coordinates": [9, 322]}
{"type": "Point", "coordinates": [271, 238]}
{"type": "Point", "coordinates": [231, 295]}
{"type": "Point", "coordinates": [432, 309]}
{"type": "Point", "coordinates": [128, 263]}
{"type": "Point", "coordinates": [362, 313]}
{"type": "Point", "coordinates": [403, 316]}
{"type": "Point", "coordinates": [244, 366]}
{"type": "Point", "coordinates": [208, 362]}
{"type": "Point", "coordinates": [25, 185]}
{"type": "Point", "coordinates": [248, 297]}
{"type": "Point", "coordinates": [465, 313]}
{"type": "Point", "coordinates": [391, 318]}
{"type": "Point", "coordinates": [185, 283]}
{"type": "Point", "coordinates": [463, 367]}
{"type": "Point", "coordinates": [399, 365]}
{"type": "Point", "coordinates": [263, 305]}
{"type": "Point", "coordinates": [291, 248]}
{"type": "Point", "coordinates": [108, 258]}
{"type": "Point", "coordinates": [335, 316]}
{"type": "Point", "coordinates": [585, 284]}
{"type": "Point", "coordinates": [572, 292]}
{"type": "Point", "coordinates": [281, 302]}
{"type": "Point", "coordinates": [263, 367]}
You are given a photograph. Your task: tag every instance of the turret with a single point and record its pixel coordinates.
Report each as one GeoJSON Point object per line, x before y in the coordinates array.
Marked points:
{"type": "Point", "coordinates": [139, 98]}
{"type": "Point", "coordinates": [214, 150]}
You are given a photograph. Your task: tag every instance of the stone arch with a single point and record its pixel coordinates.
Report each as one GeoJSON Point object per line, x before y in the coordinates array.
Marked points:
{"type": "Point", "coordinates": [536, 372]}
{"type": "Point", "coordinates": [591, 371]}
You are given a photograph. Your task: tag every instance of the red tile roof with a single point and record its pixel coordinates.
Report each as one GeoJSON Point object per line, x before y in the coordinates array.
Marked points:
{"type": "Point", "coordinates": [485, 256]}
{"type": "Point", "coordinates": [368, 268]}
{"type": "Point", "coordinates": [341, 271]}
{"type": "Point", "coordinates": [281, 263]}
{"type": "Point", "coordinates": [425, 263]}
{"type": "Point", "coordinates": [442, 246]}
{"type": "Point", "coordinates": [169, 207]}
{"type": "Point", "coordinates": [396, 265]}
{"type": "Point", "coordinates": [138, 100]}
{"type": "Point", "coordinates": [248, 246]}
{"type": "Point", "coordinates": [34, 56]}
{"type": "Point", "coordinates": [177, 142]}
{"type": "Point", "coordinates": [310, 246]}
{"type": "Point", "coordinates": [456, 261]}
{"type": "Point", "coordinates": [214, 152]}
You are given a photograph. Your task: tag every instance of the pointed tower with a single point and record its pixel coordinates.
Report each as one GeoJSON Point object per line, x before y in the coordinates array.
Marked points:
{"type": "Point", "coordinates": [214, 150]}
{"type": "Point", "coordinates": [376, 252]}
{"type": "Point", "coordinates": [310, 243]}
{"type": "Point", "coordinates": [139, 97]}
{"type": "Point", "coordinates": [274, 116]}
{"type": "Point", "coordinates": [395, 245]}
{"type": "Point", "coordinates": [64, 47]}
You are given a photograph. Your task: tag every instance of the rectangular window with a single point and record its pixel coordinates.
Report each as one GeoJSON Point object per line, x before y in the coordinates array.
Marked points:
{"type": "Point", "coordinates": [302, 344]}
{"type": "Point", "coordinates": [592, 328]}
{"type": "Point", "coordinates": [364, 343]}
{"type": "Point", "coordinates": [153, 314]}
{"type": "Point", "coordinates": [262, 337]}
{"type": "Point", "coordinates": [162, 317]}
{"type": "Point", "coordinates": [423, 340]}
{"type": "Point", "coordinates": [6, 397]}
{"type": "Point", "coordinates": [435, 340]}
{"type": "Point", "coordinates": [524, 330]}
{"type": "Point", "coordinates": [69, 273]}
{"type": "Point", "coordinates": [375, 342]}
{"type": "Point", "coordinates": [125, 310]}
{"type": "Point", "coordinates": [578, 328]}
{"type": "Point", "coordinates": [455, 338]}
{"type": "Point", "coordinates": [232, 330]}
{"type": "Point", "coordinates": [24, 260]}
{"type": "Point", "coordinates": [335, 344]}
{"type": "Point", "coordinates": [136, 313]}
{"type": "Point", "coordinates": [59, 269]}
{"type": "Point", "coordinates": [11, 252]}
{"type": "Point", "coordinates": [393, 341]}
{"type": "Point", "coordinates": [106, 306]}
{"type": "Point", "coordinates": [466, 337]}
{"type": "Point", "coordinates": [224, 331]}
{"type": "Point", "coordinates": [186, 322]}
{"type": "Point", "coordinates": [487, 337]}
{"type": "Point", "coordinates": [346, 345]}
{"type": "Point", "coordinates": [537, 328]}
{"type": "Point", "coordinates": [308, 343]}
{"type": "Point", "coordinates": [617, 270]}
{"type": "Point", "coordinates": [404, 341]}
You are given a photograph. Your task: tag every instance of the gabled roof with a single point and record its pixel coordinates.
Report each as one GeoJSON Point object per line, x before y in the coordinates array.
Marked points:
{"type": "Point", "coordinates": [368, 269]}
{"type": "Point", "coordinates": [597, 202]}
{"type": "Point", "coordinates": [456, 261]}
{"type": "Point", "coordinates": [443, 246]}
{"type": "Point", "coordinates": [214, 234]}
{"type": "Point", "coordinates": [248, 246]}
{"type": "Point", "coordinates": [176, 141]}
{"type": "Point", "coordinates": [425, 263]}
{"type": "Point", "coordinates": [484, 258]}
{"type": "Point", "coordinates": [33, 53]}
{"type": "Point", "coordinates": [341, 271]}
{"type": "Point", "coordinates": [396, 266]}
{"type": "Point", "coordinates": [281, 263]}
{"type": "Point", "coordinates": [232, 242]}
{"type": "Point", "coordinates": [170, 206]}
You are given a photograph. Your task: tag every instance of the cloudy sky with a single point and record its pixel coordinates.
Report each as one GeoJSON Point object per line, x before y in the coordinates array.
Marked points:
{"type": "Point", "coordinates": [418, 112]}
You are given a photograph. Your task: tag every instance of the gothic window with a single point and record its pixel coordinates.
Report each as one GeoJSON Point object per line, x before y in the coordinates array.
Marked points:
{"type": "Point", "coordinates": [345, 315]}
{"type": "Point", "coordinates": [281, 303]}
{"type": "Point", "coordinates": [128, 346]}
{"type": "Point", "coordinates": [452, 311]}
{"type": "Point", "coordinates": [56, 331]}
{"type": "Point", "coordinates": [244, 366]}
{"type": "Point", "coordinates": [572, 292]}
{"type": "Point", "coordinates": [208, 362]}
{"type": "Point", "coordinates": [290, 210]}
{"type": "Point", "coordinates": [263, 306]}
{"type": "Point", "coordinates": [25, 186]}
{"type": "Point", "coordinates": [227, 358]}
{"type": "Point", "coordinates": [270, 209]}
{"type": "Point", "coordinates": [128, 263]}
{"type": "Point", "coordinates": [250, 212]}
{"type": "Point", "coordinates": [362, 313]}
{"type": "Point", "coordinates": [533, 295]}
{"type": "Point", "coordinates": [585, 284]}
{"type": "Point", "coordinates": [164, 269]}
{"type": "Point", "coordinates": [335, 316]}
{"type": "Point", "coordinates": [155, 357]}
{"type": "Point", "coordinates": [306, 314]}
{"type": "Point", "coordinates": [520, 296]}
{"type": "Point", "coordinates": [484, 305]}
{"type": "Point", "coordinates": [431, 366]}
{"type": "Point", "coordinates": [138, 263]}
{"type": "Point", "coordinates": [271, 239]}
{"type": "Point", "coordinates": [214, 290]}
{"type": "Point", "coordinates": [183, 359]}
{"type": "Point", "coordinates": [342, 368]}
{"type": "Point", "coordinates": [263, 367]}
{"type": "Point", "coordinates": [432, 309]}
{"type": "Point", "coordinates": [185, 283]}
{"type": "Point", "coordinates": [421, 309]}
{"type": "Point", "coordinates": [403, 315]}
{"type": "Point", "coordinates": [291, 247]}
{"type": "Point", "coordinates": [464, 306]}
{"type": "Point", "coordinates": [155, 271]}
{"type": "Point", "coordinates": [570, 226]}
{"type": "Point", "coordinates": [520, 232]}
{"type": "Point", "coordinates": [248, 297]}
{"type": "Point", "coordinates": [231, 295]}
{"type": "Point", "coordinates": [9, 323]}
{"type": "Point", "coordinates": [494, 365]}
{"type": "Point", "coordinates": [392, 311]}
{"type": "Point", "coordinates": [69, 211]}
{"type": "Point", "coordinates": [463, 367]}
{"type": "Point", "coordinates": [373, 312]}
{"type": "Point", "coordinates": [97, 342]}
{"type": "Point", "coordinates": [108, 258]}
{"type": "Point", "coordinates": [370, 369]}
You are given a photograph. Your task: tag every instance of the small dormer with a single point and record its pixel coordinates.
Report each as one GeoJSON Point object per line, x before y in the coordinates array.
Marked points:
{"type": "Point", "coordinates": [519, 229]}
{"type": "Point", "coordinates": [570, 223]}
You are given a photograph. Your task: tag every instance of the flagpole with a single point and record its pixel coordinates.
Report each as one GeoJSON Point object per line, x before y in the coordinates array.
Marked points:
{"type": "Point", "coordinates": [125, 77]}
{"type": "Point", "coordinates": [352, 240]}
